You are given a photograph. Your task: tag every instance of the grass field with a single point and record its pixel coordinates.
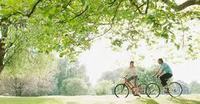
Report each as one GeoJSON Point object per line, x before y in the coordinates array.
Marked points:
{"type": "Point", "coordinates": [185, 99]}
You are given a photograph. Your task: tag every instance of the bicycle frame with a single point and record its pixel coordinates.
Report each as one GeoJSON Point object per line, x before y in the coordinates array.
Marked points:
{"type": "Point", "coordinates": [129, 84]}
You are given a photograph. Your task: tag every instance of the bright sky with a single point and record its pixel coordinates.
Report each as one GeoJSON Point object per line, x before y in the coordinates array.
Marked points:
{"type": "Point", "coordinates": [101, 58]}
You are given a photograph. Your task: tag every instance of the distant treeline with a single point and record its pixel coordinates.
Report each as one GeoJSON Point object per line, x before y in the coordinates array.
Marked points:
{"type": "Point", "coordinates": [56, 76]}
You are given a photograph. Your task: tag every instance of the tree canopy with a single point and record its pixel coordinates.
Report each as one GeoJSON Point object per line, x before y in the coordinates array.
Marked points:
{"type": "Point", "coordinates": [69, 26]}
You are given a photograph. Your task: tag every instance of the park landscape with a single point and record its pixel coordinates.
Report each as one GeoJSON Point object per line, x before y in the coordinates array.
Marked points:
{"type": "Point", "coordinates": [107, 99]}
{"type": "Point", "coordinates": [77, 51]}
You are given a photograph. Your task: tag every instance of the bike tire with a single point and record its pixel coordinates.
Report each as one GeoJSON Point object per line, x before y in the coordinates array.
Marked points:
{"type": "Point", "coordinates": [175, 89]}
{"type": "Point", "coordinates": [142, 88]}
{"type": "Point", "coordinates": [118, 88]}
{"type": "Point", "coordinates": [152, 90]}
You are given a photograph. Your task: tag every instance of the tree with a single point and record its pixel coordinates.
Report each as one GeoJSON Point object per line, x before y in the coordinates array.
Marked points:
{"type": "Point", "coordinates": [69, 71]}
{"type": "Point", "coordinates": [30, 75]}
{"type": "Point", "coordinates": [104, 87]}
{"type": "Point", "coordinates": [12, 85]}
{"type": "Point", "coordinates": [74, 86]}
{"type": "Point", "coordinates": [61, 75]}
{"type": "Point", "coordinates": [195, 86]}
{"type": "Point", "coordinates": [113, 76]}
{"type": "Point", "coordinates": [42, 26]}
{"type": "Point", "coordinates": [185, 87]}
{"type": "Point", "coordinates": [69, 26]}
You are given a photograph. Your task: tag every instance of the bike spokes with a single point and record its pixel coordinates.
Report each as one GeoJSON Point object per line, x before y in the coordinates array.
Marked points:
{"type": "Point", "coordinates": [121, 90]}
{"type": "Point", "coordinates": [152, 90]}
{"type": "Point", "coordinates": [175, 89]}
{"type": "Point", "coordinates": [142, 88]}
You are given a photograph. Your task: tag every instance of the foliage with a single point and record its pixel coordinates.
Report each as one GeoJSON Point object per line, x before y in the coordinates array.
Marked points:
{"type": "Point", "coordinates": [29, 28]}
{"type": "Point", "coordinates": [69, 26]}
{"type": "Point", "coordinates": [74, 86]}
{"type": "Point", "coordinates": [104, 87]}
{"type": "Point", "coordinates": [41, 74]}
{"type": "Point", "coordinates": [185, 87]}
{"type": "Point", "coordinates": [112, 75]}
{"type": "Point", "coordinates": [195, 87]}
{"type": "Point", "coordinates": [67, 72]}
{"type": "Point", "coordinates": [28, 85]}
{"type": "Point", "coordinates": [144, 75]}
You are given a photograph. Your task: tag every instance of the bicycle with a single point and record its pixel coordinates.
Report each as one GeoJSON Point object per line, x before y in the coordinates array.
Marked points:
{"type": "Point", "coordinates": [122, 89]}
{"type": "Point", "coordinates": [174, 89]}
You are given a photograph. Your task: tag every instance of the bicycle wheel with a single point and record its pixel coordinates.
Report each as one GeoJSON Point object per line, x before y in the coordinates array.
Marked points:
{"type": "Point", "coordinates": [175, 89]}
{"type": "Point", "coordinates": [142, 88]}
{"type": "Point", "coordinates": [152, 90]}
{"type": "Point", "coordinates": [121, 90]}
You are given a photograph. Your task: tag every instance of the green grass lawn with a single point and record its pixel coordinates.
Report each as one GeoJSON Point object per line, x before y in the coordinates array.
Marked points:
{"type": "Point", "coordinates": [28, 100]}
{"type": "Point", "coordinates": [185, 99]}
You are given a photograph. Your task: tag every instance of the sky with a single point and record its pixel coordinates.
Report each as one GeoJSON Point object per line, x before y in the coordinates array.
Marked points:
{"type": "Point", "coordinates": [101, 58]}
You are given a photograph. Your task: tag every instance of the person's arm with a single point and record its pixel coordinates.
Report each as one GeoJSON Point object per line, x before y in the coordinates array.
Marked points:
{"type": "Point", "coordinates": [161, 73]}
{"type": "Point", "coordinates": [157, 72]}
{"type": "Point", "coordinates": [162, 70]}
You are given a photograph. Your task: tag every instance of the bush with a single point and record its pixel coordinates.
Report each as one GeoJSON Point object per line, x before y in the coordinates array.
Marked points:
{"type": "Point", "coordinates": [104, 87]}
{"type": "Point", "coordinates": [195, 87]}
{"type": "Point", "coordinates": [74, 86]}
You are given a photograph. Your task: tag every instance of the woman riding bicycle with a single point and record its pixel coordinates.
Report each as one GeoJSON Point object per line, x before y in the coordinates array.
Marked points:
{"type": "Point", "coordinates": [133, 77]}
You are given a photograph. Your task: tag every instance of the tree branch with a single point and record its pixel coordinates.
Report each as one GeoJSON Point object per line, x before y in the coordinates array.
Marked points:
{"type": "Point", "coordinates": [187, 4]}
{"type": "Point", "coordinates": [116, 10]}
{"type": "Point", "coordinates": [5, 18]}
{"type": "Point", "coordinates": [142, 5]}
{"type": "Point", "coordinates": [183, 5]}
{"type": "Point", "coordinates": [146, 10]}
{"type": "Point", "coordinates": [137, 7]}
{"type": "Point", "coordinates": [33, 9]}
{"type": "Point", "coordinates": [113, 19]}
{"type": "Point", "coordinates": [112, 3]}
{"type": "Point", "coordinates": [68, 4]}
{"type": "Point", "coordinates": [77, 15]}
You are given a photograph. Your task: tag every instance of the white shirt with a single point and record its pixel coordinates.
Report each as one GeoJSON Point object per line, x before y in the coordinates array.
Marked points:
{"type": "Point", "coordinates": [133, 71]}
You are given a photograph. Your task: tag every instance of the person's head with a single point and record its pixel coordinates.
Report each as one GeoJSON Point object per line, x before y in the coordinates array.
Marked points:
{"type": "Point", "coordinates": [160, 61]}
{"type": "Point", "coordinates": [132, 64]}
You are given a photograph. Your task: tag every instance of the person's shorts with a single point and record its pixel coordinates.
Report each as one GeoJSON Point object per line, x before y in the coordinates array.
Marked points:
{"type": "Point", "coordinates": [132, 77]}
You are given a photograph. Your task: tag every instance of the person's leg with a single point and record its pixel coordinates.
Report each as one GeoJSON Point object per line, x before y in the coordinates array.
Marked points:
{"type": "Point", "coordinates": [164, 78]}
{"type": "Point", "coordinates": [168, 76]}
{"type": "Point", "coordinates": [130, 78]}
{"type": "Point", "coordinates": [136, 86]}
{"type": "Point", "coordinates": [134, 81]}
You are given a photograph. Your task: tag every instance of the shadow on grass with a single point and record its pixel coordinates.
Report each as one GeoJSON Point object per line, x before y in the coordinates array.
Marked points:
{"type": "Point", "coordinates": [148, 101]}
{"type": "Point", "coordinates": [185, 101]}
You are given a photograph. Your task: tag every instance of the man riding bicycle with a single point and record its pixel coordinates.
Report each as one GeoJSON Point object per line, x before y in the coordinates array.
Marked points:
{"type": "Point", "coordinates": [164, 73]}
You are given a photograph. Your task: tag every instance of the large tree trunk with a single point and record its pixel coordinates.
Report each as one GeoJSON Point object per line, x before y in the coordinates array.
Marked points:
{"type": "Point", "coordinates": [4, 31]}
{"type": "Point", "coordinates": [2, 53]}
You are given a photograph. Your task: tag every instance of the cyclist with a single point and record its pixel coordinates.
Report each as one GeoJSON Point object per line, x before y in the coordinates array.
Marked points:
{"type": "Point", "coordinates": [133, 77]}
{"type": "Point", "coordinates": [164, 73]}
